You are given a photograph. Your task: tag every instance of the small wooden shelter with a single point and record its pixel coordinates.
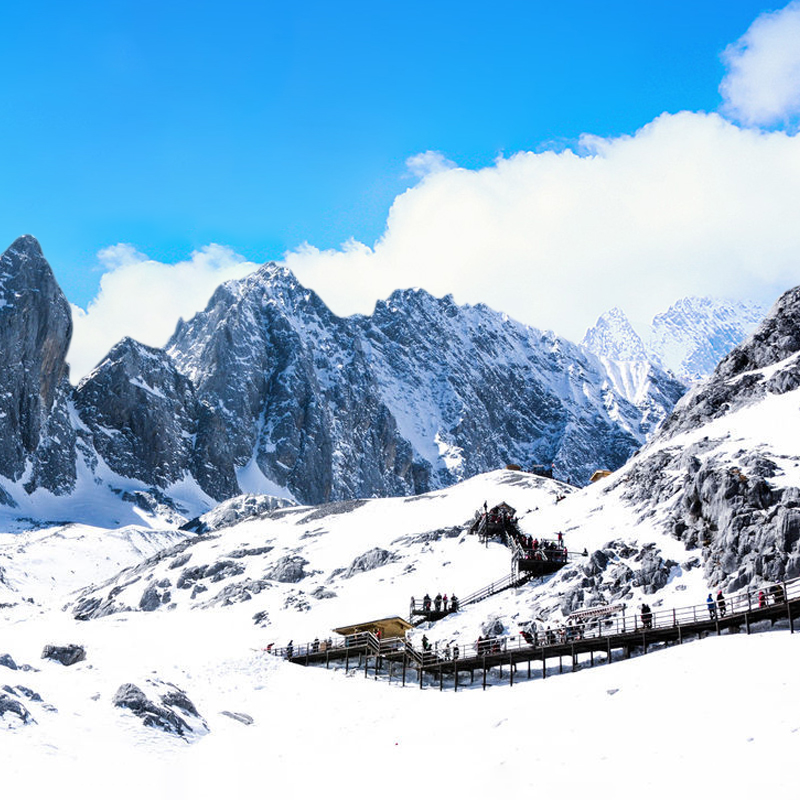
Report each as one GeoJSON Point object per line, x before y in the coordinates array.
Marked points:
{"type": "Point", "coordinates": [599, 474]}
{"type": "Point", "coordinates": [387, 628]}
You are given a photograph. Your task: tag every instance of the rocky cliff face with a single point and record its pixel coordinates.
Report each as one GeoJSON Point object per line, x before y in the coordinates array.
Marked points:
{"type": "Point", "coordinates": [143, 418]}
{"type": "Point", "coordinates": [418, 395]}
{"type": "Point", "coordinates": [721, 474]}
{"type": "Point", "coordinates": [37, 444]}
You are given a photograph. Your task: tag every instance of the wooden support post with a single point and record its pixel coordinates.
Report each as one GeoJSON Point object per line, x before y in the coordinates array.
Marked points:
{"type": "Point", "coordinates": [591, 657]}
{"type": "Point", "coordinates": [391, 669]}
{"type": "Point", "coordinates": [608, 649]}
{"type": "Point", "coordinates": [644, 641]}
{"type": "Point", "coordinates": [377, 666]}
{"type": "Point", "coordinates": [788, 608]}
{"type": "Point", "coordinates": [346, 661]}
{"type": "Point", "coordinates": [574, 661]}
{"type": "Point", "coordinates": [560, 664]}
{"type": "Point", "coordinates": [544, 665]}
{"type": "Point", "coordinates": [747, 623]}
{"type": "Point", "coordinates": [420, 671]}
{"type": "Point", "coordinates": [529, 669]}
{"type": "Point", "coordinates": [680, 635]}
{"type": "Point", "coordinates": [405, 658]}
{"type": "Point", "coordinates": [484, 673]}
{"type": "Point", "coordinates": [366, 664]}
{"type": "Point", "coordinates": [455, 675]}
{"type": "Point", "coordinates": [327, 658]}
{"type": "Point", "coordinates": [510, 671]}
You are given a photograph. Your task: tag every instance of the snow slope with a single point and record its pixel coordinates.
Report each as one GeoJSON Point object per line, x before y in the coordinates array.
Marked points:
{"type": "Point", "coordinates": [653, 722]}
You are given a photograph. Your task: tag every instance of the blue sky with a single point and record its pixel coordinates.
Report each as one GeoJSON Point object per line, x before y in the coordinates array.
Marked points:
{"type": "Point", "coordinates": [261, 126]}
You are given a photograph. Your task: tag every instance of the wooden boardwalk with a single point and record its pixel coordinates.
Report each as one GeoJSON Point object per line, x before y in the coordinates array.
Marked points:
{"type": "Point", "coordinates": [598, 637]}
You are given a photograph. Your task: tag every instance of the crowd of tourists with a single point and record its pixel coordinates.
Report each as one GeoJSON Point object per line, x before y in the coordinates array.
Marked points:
{"type": "Point", "coordinates": [541, 550]}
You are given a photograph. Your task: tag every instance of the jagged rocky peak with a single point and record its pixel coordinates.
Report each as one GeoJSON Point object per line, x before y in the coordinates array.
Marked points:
{"type": "Point", "coordinates": [140, 412]}
{"type": "Point", "coordinates": [777, 338]}
{"type": "Point", "coordinates": [613, 336]}
{"type": "Point", "coordinates": [35, 331]}
{"type": "Point", "coordinates": [420, 394]}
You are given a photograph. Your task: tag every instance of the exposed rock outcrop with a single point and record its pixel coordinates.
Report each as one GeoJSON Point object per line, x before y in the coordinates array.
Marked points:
{"type": "Point", "coordinates": [168, 710]}
{"type": "Point", "coordinates": [35, 332]}
{"type": "Point", "coordinates": [67, 654]}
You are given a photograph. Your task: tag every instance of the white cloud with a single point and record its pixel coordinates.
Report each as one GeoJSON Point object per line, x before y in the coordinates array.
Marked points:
{"type": "Point", "coordinates": [143, 299]}
{"type": "Point", "coordinates": [762, 86]}
{"type": "Point", "coordinates": [690, 204]}
{"type": "Point", "coordinates": [428, 163]}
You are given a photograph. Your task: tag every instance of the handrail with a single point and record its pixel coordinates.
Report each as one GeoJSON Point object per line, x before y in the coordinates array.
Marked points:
{"type": "Point", "coordinates": [769, 596]}
{"type": "Point", "coordinates": [493, 588]}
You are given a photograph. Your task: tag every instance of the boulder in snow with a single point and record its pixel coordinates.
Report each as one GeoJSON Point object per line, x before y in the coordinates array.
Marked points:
{"type": "Point", "coordinates": [65, 654]}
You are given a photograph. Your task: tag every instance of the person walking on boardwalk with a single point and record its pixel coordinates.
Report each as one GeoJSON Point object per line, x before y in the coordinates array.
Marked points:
{"type": "Point", "coordinates": [721, 603]}
{"type": "Point", "coordinates": [437, 602]}
{"type": "Point", "coordinates": [426, 602]}
{"type": "Point", "coordinates": [453, 602]}
{"type": "Point", "coordinates": [647, 616]}
{"type": "Point", "coordinates": [426, 645]}
{"type": "Point", "coordinates": [712, 608]}
{"type": "Point", "coordinates": [762, 599]}
{"type": "Point", "coordinates": [444, 602]}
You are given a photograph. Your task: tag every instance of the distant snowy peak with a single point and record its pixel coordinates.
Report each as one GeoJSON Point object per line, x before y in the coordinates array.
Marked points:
{"type": "Point", "coordinates": [613, 337]}
{"type": "Point", "coordinates": [688, 339]}
{"type": "Point", "coordinates": [693, 335]}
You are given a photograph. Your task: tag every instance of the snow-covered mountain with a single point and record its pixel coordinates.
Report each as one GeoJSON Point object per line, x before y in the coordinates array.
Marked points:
{"type": "Point", "coordinates": [267, 391]}
{"type": "Point", "coordinates": [168, 629]}
{"type": "Point", "coordinates": [420, 394]}
{"type": "Point", "coordinates": [688, 339]}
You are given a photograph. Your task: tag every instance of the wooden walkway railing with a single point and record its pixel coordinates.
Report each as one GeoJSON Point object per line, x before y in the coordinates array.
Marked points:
{"type": "Point", "coordinates": [597, 635]}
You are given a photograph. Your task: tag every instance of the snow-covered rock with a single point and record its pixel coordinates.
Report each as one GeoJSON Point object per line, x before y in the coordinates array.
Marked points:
{"type": "Point", "coordinates": [167, 708]}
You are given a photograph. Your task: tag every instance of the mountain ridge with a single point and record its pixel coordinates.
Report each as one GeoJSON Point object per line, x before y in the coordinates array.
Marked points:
{"type": "Point", "coordinates": [267, 390]}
